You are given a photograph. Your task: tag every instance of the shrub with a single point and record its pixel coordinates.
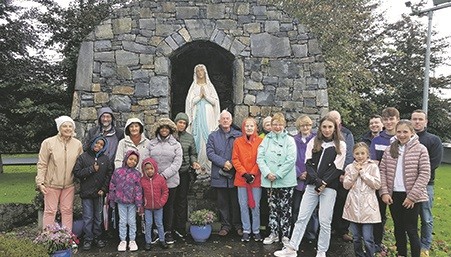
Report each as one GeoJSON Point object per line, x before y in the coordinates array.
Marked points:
{"type": "Point", "coordinates": [12, 246]}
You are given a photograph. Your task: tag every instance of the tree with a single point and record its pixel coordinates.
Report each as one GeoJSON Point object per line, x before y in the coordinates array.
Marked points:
{"type": "Point", "coordinates": [399, 67]}
{"type": "Point", "coordinates": [68, 27]}
{"type": "Point", "coordinates": [29, 92]}
{"type": "Point", "coordinates": [346, 31]}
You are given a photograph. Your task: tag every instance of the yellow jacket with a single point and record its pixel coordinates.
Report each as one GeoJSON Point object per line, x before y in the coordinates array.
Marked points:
{"type": "Point", "coordinates": [56, 161]}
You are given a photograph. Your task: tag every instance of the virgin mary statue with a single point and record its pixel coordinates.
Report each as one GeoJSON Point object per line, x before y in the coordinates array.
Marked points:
{"type": "Point", "coordinates": [202, 107]}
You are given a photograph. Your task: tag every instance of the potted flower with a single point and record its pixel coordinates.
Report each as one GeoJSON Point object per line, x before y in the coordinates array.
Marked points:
{"type": "Point", "coordinates": [200, 228]}
{"type": "Point", "coordinates": [58, 240]}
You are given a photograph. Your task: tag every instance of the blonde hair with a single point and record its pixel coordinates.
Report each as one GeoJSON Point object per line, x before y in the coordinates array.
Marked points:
{"type": "Point", "coordinates": [302, 119]}
{"type": "Point", "coordinates": [279, 118]}
{"type": "Point", "coordinates": [361, 145]}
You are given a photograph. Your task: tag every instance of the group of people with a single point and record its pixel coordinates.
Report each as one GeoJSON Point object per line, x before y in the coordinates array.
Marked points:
{"type": "Point", "coordinates": [301, 184]}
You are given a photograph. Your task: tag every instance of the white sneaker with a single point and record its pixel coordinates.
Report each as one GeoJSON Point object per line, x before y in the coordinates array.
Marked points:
{"type": "Point", "coordinates": [122, 246]}
{"type": "Point", "coordinates": [271, 239]}
{"type": "Point", "coordinates": [320, 254]}
{"type": "Point", "coordinates": [133, 246]}
{"type": "Point", "coordinates": [285, 240]}
{"type": "Point", "coordinates": [286, 252]}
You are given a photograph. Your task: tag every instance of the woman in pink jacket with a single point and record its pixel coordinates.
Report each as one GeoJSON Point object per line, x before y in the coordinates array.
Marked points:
{"type": "Point", "coordinates": [405, 172]}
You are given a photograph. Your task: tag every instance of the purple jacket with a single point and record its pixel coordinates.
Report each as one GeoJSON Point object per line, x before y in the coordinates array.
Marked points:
{"type": "Point", "coordinates": [300, 159]}
{"type": "Point", "coordinates": [125, 186]}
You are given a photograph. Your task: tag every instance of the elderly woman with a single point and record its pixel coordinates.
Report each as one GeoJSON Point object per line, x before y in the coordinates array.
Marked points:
{"type": "Point", "coordinates": [202, 108]}
{"type": "Point", "coordinates": [54, 178]}
{"type": "Point", "coordinates": [167, 152]}
{"type": "Point", "coordinates": [276, 159]}
{"type": "Point", "coordinates": [248, 178]}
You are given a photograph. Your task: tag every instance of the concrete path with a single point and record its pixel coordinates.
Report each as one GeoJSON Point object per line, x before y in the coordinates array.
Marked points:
{"type": "Point", "coordinates": [217, 246]}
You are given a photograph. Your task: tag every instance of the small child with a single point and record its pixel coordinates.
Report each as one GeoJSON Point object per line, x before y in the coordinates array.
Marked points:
{"type": "Point", "coordinates": [126, 191]}
{"type": "Point", "coordinates": [93, 168]}
{"type": "Point", "coordinates": [156, 194]}
{"type": "Point", "coordinates": [362, 179]}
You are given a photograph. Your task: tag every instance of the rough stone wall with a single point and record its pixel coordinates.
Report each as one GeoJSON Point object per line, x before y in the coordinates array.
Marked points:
{"type": "Point", "coordinates": [125, 62]}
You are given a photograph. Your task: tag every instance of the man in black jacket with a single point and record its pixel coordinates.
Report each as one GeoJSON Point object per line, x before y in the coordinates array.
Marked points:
{"type": "Point", "coordinates": [435, 150]}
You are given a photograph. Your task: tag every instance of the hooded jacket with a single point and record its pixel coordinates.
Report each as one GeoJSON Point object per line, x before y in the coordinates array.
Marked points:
{"type": "Point", "coordinates": [361, 204]}
{"type": "Point", "coordinates": [167, 152]}
{"type": "Point", "coordinates": [188, 145]}
{"type": "Point", "coordinates": [56, 161]}
{"type": "Point", "coordinates": [114, 135]}
{"type": "Point", "coordinates": [417, 171]}
{"type": "Point", "coordinates": [127, 144]}
{"type": "Point", "coordinates": [155, 190]}
{"type": "Point", "coordinates": [92, 181]}
{"type": "Point", "coordinates": [379, 144]}
{"type": "Point", "coordinates": [244, 158]}
{"type": "Point", "coordinates": [277, 155]}
{"type": "Point", "coordinates": [125, 185]}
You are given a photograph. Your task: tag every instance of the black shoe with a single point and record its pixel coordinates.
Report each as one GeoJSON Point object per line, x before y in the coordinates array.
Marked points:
{"type": "Point", "coordinates": [178, 234]}
{"type": "Point", "coordinates": [155, 238]}
{"type": "Point", "coordinates": [168, 238]}
{"type": "Point", "coordinates": [148, 247]}
{"type": "Point", "coordinates": [87, 245]}
{"type": "Point", "coordinates": [99, 243]}
{"type": "Point", "coordinates": [163, 245]}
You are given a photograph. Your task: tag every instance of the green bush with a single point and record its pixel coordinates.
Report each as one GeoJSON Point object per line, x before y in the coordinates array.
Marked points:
{"type": "Point", "coordinates": [12, 246]}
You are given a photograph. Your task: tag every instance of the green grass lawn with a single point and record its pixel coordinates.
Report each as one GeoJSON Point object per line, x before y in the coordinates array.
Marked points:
{"type": "Point", "coordinates": [17, 184]}
{"type": "Point", "coordinates": [441, 245]}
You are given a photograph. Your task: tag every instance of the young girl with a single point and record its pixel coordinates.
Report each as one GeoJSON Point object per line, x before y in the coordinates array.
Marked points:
{"type": "Point", "coordinates": [362, 179]}
{"type": "Point", "coordinates": [93, 168]}
{"type": "Point", "coordinates": [155, 197]}
{"type": "Point", "coordinates": [126, 191]}
{"type": "Point", "coordinates": [405, 172]}
{"type": "Point", "coordinates": [325, 157]}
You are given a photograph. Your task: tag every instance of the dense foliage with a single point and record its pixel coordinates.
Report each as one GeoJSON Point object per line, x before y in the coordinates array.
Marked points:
{"type": "Point", "coordinates": [372, 64]}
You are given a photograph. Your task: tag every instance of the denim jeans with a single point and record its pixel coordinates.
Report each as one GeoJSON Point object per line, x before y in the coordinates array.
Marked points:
{"type": "Point", "coordinates": [363, 233]}
{"type": "Point", "coordinates": [427, 220]}
{"type": "Point", "coordinates": [150, 216]}
{"type": "Point", "coordinates": [92, 217]}
{"type": "Point", "coordinates": [244, 208]}
{"type": "Point", "coordinates": [313, 225]}
{"type": "Point", "coordinates": [405, 222]}
{"type": "Point", "coordinates": [127, 216]}
{"type": "Point", "coordinates": [308, 204]}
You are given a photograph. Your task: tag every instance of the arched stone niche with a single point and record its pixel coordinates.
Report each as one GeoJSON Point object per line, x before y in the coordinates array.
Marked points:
{"type": "Point", "coordinates": [140, 61]}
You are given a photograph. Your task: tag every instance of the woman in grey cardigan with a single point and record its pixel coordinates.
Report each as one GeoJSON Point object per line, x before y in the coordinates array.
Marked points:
{"type": "Point", "coordinates": [405, 173]}
{"type": "Point", "coordinates": [167, 152]}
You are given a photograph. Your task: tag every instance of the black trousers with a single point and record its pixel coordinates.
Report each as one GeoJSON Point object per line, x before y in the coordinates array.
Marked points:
{"type": "Point", "coordinates": [181, 203]}
{"type": "Point", "coordinates": [405, 222]}
{"type": "Point", "coordinates": [168, 211]}
{"type": "Point", "coordinates": [229, 209]}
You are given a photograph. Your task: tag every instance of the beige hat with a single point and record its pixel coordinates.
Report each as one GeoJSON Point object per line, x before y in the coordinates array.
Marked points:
{"type": "Point", "coordinates": [266, 120]}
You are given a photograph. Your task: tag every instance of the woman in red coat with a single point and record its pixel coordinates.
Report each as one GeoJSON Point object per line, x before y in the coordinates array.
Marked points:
{"type": "Point", "coordinates": [248, 178]}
